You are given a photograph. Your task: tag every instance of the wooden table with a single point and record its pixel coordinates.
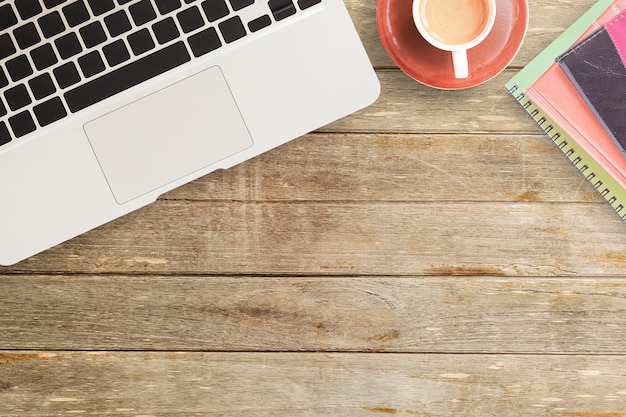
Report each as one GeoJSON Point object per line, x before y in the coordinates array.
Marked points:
{"type": "Point", "coordinates": [432, 255]}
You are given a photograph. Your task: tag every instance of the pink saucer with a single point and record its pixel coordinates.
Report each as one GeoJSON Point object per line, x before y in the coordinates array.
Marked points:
{"type": "Point", "coordinates": [433, 67]}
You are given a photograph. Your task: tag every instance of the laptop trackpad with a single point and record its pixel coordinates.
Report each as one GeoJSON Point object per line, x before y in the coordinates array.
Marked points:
{"type": "Point", "coordinates": [168, 135]}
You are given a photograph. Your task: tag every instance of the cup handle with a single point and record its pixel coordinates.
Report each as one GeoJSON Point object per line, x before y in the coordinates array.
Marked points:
{"type": "Point", "coordinates": [459, 60]}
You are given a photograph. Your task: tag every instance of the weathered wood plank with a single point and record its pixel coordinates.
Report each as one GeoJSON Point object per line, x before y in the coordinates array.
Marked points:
{"type": "Point", "coordinates": [376, 238]}
{"type": "Point", "coordinates": [319, 384]}
{"type": "Point", "coordinates": [377, 314]}
{"type": "Point", "coordinates": [370, 167]}
{"type": "Point", "coordinates": [406, 106]}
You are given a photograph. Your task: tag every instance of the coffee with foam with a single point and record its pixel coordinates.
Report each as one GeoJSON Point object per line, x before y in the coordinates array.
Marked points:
{"type": "Point", "coordinates": [455, 22]}
{"type": "Point", "coordinates": [455, 26]}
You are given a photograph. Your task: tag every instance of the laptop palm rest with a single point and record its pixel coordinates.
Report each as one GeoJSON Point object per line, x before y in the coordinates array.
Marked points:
{"type": "Point", "coordinates": [168, 135]}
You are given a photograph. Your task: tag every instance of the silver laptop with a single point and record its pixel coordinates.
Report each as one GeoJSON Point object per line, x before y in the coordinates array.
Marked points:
{"type": "Point", "coordinates": [107, 104]}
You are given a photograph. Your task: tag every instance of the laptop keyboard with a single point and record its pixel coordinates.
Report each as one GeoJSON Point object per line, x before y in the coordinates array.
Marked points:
{"type": "Point", "coordinates": [58, 57]}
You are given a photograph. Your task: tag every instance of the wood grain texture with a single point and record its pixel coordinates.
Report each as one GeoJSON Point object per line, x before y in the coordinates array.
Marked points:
{"type": "Point", "coordinates": [450, 238]}
{"type": "Point", "coordinates": [405, 106]}
{"type": "Point", "coordinates": [377, 314]}
{"type": "Point", "coordinates": [315, 384]}
{"type": "Point", "coordinates": [400, 168]}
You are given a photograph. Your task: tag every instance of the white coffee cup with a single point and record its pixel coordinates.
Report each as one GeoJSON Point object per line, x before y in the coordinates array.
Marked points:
{"type": "Point", "coordinates": [455, 26]}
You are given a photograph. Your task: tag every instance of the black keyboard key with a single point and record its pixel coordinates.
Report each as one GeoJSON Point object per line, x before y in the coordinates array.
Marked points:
{"type": "Point", "coordinates": [140, 42]}
{"type": "Point", "coordinates": [215, 9]}
{"type": "Point", "coordinates": [165, 30]}
{"type": "Point", "coordinates": [166, 6]}
{"type": "Point", "coordinates": [51, 24]}
{"type": "Point", "coordinates": [91, 64]}
{"type": "Point", "coordinates": [7, 48]}
{"type": "Point", "coordinates": [117, 23]}
{"type": "Point", "coordinates": [43, 56]}
{"type": "Point", "coordinates": [305, 4]}
{"type": "Point", "coordinates": [259, 23]}
{"type": "Point", "coordinates": [142, 12]}
{"type": "Point", "coordinates": [123, 2]}
{"type": "Point", "coordinates": [7, 17]}
{"type": "Point", "coordinates": [190, 19]}
{"type": "Point", "coordinates": [204, 42]}
{"type": "Point", "coordinates": [116, 53]}
{"type": "Point", "coordinates": [3, 110]}
{"type": "Point", "coordinates": [3, 79]}
{"type": "Point", "coordinates": [281, 9]}
{"type": "Point", "coordinates": [127, 76]}
{"type": "Point", "coordinates": [17, 97]}
{"type": "Point", "coordinates": [18, 68]}
{"type": "Point", "coordinates": [26, 35]}
{"type": "Point", "coordinates": [50, 111]}
{"type": "Point", "coordinates": [68, 45]}
{"type": "Point", "coordinates": [51, 3]}
{"type": "Point", "coordinates": [66, 75]}
{"type": "Point", "coordinates": [22, 124]}
{"type": "Point", "coordinates": [42, 86]}
{"type": "Point", "coordinates": [240, 4]}
{"type": "Point", "coordinates": [28, 8]}
{"type": "Point", "coordinates": [93, 34]}
{"type": "Point", "coordinates": [232, 29]}
{"type": "Point", "coordinates": [99, 7]}
{"type": "Point", "coordinates": [5, 136]}
{"type": "Point", "coordinates": [76, 13]}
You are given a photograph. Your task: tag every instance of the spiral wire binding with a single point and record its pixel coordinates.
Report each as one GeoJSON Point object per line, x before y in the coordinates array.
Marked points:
{"type": "Point", "coordinates": [570, 153]}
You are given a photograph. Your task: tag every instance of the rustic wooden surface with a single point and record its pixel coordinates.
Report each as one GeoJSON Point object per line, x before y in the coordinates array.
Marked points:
{"type": "Point", "coordinates": [431, 255]}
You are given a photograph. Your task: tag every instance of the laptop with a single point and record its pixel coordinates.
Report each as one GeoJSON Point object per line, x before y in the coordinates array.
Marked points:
{"type": "Point", "coordinates": [107, 104]}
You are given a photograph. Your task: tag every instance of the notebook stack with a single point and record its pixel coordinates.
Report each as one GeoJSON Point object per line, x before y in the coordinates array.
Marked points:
{"type": "Point", "coordinates": [576, 92]}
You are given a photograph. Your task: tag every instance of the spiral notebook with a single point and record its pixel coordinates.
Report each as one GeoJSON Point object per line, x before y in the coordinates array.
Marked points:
{"type": "Point", "coordinates": [545, 91]}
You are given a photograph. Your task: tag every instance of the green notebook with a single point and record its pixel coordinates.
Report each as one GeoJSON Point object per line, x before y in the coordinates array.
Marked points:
{"type": "Point", "coordinates": [596, 169]}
